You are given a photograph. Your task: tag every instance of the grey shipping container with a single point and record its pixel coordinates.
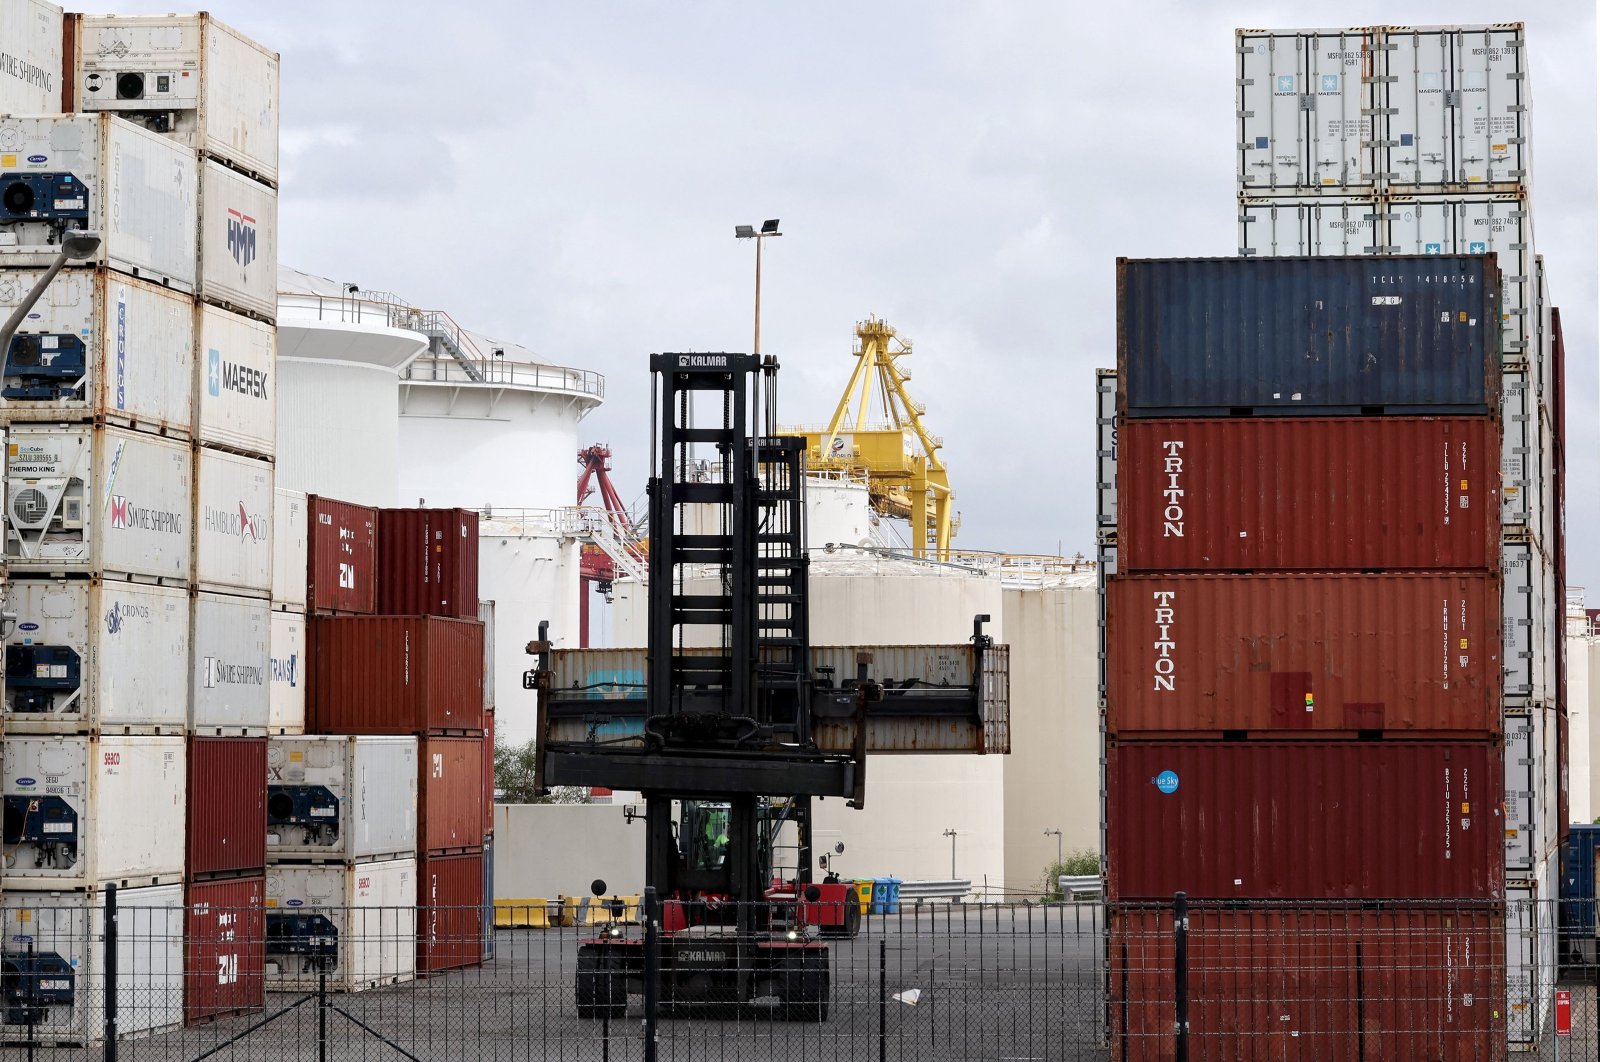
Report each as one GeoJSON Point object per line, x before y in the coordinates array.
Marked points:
{"type": "Point", "coordinates": [1397, 334]}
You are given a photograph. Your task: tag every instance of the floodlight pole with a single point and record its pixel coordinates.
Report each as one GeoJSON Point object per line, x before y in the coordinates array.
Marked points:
{"type": "Point", "coordinates": [74, 245]}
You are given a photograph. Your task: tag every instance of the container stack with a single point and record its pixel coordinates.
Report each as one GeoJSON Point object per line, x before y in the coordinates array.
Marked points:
{"type": "Point", "coordinates": [1417, 140]}
{"type": "Point", "coordinates": [1302, 671]}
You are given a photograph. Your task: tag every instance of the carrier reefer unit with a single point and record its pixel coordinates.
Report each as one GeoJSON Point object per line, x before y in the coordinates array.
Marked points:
{"type": "Point", "coordinates": [96, 501]}
{"type": "Point", "coordinates": [227, 806]}
{"type": "Point", "coordinates": [286, 709]}
{"type": "Point", "coordinates": [1309, 494]}
{"type": "Point", "coordinates": [341, 798]}
{"type": "Point", "coordinates": [230, 670]}
{"type": "Point", "coordinates": [94, 171]}
{"type": "Point", "coordinates": [1225, 336]}
{"type": "Point", "coordinates": [1303, 654]}
{"type": "Point", "coordinates": [224, 947]}
{"type": "Point", "coordinates": [395, 675]}
{"type": "Point", "coordinates": [233, 533]}
{"type": "Point", "coordinates": [99, 346]}
{"type": "Point", "coordinates": [188, 77]}
{"type": "Point", "coordinates": [96, 656]}
{"type": "Point", "coordinates": [356, 923]}
{"type": "Point", "coordinates": [67, 933]}
{"type": "Point", "coordinates": [1264, 820]}
{"type": "Point", "coordinates": [30, 58]}
{"type": "Point", "coordinates": [237, 382]}
{"type": "Point", "coordinates": [83, 811]}
{"type": "Point", "coordinates": [238, 242]}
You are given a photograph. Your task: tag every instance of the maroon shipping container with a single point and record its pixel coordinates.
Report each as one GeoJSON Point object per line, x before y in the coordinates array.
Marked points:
{"type": "Point", "coordinates": [224, 951]}
{"type": "Point", "coordinates": [227, 817]}
{"type": "Point", "coordinates": [1300, 820]}
{"type": "Point", "coordinates": [428, 562]}
{"type": "Point", "coordinates": [1308, 493]}
{"type": "Point", "coordinates": [342, 557]}
{"type": "Point", "coordinates": [449, 912]}
{"type": "Point", "coordinates": [450, 814]}
{"type": "Point", "coordinates": [1313, 654]}
{"type": "Point", "coordinates": [1310, 984]}
{"type": "Point", "coordinates": [395, 675]}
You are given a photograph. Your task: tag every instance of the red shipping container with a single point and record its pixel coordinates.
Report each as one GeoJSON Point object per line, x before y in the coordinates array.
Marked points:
{"type": "Point", "coordinates": [428, 562]}
{"type": "Point", "coordinates": [227, 816]}
{"type": "Point", "coordinates": [449, 912]}
{"type": "Point", "coordinates": [224, 951]}
{"type": "Point", "coordinates": [450, 795]}
{"type": "Point", "coordinates": [1308, 493]}
{"type": "Point", "coordinates": [1303, 653]}
{"type": "Point", "coordinates": [1300, 820]}
{"type": "Point", "coordinates": [395, 675]}
{"type": "Point", "coordinates": [1309, 984]}
{"type": "Point", "coordinates": [342, 557]}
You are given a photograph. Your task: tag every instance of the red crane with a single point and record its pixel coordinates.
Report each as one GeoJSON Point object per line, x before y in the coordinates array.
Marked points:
{"type": "Point", "coordinates": [596, 568]}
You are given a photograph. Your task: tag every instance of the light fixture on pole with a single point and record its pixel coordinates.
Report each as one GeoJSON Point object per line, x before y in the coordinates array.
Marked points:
{"type": "Point", "coordinates": [76, 245]}
{"type": "Point", "coordinates": [748, 232]}
{"type": "Point", "coordinates": [952, 835]}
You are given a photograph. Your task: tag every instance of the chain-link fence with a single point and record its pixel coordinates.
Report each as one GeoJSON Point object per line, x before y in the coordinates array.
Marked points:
{"type": "Point", "coordinates": [1237, 982]}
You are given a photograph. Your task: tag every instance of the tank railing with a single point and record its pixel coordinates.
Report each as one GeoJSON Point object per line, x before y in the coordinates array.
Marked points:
{"type": "Point", "coordinates": [538, 519]}
{"type": "Point", "coordinates": [428, 369]}
{"type": "Point", "coordinates": [590, 523]}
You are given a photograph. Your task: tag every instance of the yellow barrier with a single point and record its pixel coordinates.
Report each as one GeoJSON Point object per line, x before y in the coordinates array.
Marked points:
{"type": "Point", "coordinates": [522, 914]}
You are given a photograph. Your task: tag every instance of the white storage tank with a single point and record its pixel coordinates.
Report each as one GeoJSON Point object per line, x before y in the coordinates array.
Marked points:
{"type": "Point", "coordinates": [233, 535]}
{"type": "Point", "coordinates": [69, 930]}
{"type": "Point", "coordinates": [30, 57]}
{"type": "Point", "coordinates": [230, 694]}
{"type": "Point", "coordinates": [286, 710]}
{"type": "Point", "coordinates": [238, 242]}
{"type": "Point", "coordinates": [341, 798]}
{"type": "Point", "coordinates": [138, 190]}
{"type": "Point", "coordinates": [371, 924]}
{"type": "Point", "coordinates": [189, 77]}
{"type": "Point", "coordinates": [236, 396]}
{"type": "Point", "coordinates": [98, 500]}
{"type": "Point", "coordinates": [91, 811]}
{"type": "Point", "coordinates": [96, 655]}
{"type": "Point", "coordinates": [100, 345]}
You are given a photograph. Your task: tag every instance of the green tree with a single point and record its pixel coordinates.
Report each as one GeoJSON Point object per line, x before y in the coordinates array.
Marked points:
{"type": "Point", "coordinates": [514, 773]}
{"type": "Point", "coordinates": [1076, 863]}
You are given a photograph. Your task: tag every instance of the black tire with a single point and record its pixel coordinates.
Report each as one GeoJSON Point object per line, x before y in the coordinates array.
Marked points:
{"type": "Point", "coordinates": [852, 916]}
{"type": "Point", "coordinates": [805, 994]}
{"type": "Point", "coordinates": [601, 989]}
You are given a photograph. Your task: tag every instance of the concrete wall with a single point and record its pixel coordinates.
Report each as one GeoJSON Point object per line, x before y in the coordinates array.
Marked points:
{"type": "Point", "coordinates": [549, 850]}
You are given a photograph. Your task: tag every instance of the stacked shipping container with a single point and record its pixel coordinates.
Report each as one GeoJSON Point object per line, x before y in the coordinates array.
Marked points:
{"type": "Point", "coordinates": [1416, 140]}
{"type": "Point", "coordinates": [139, 426]}
{"type": "Point", "coordinates": [1302, 666]}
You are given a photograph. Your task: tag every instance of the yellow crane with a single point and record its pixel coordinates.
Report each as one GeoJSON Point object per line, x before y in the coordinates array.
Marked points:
{"type": "Point", "coordinates": [906, 477]}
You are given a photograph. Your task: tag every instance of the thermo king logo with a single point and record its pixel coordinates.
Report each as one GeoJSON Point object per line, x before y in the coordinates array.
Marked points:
{"type": "Point", "coordinates": [240, 523]}
{"type": "Point", "coordinates": [221, 673]}
{"type": "Point", "coordinates": [134, 517]}
{"type": "Point", "coordinates": [241, 237]}
{"type": "Point", "coordinates": [1166, 668]}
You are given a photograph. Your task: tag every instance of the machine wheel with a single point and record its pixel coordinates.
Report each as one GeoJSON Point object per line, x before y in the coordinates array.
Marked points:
{"type": "Point", "coordinates": [601, 989]}
{"type": "Point", "coordinates": [851, 926]}
{"type": "Point", "coordinates": [803, 994]}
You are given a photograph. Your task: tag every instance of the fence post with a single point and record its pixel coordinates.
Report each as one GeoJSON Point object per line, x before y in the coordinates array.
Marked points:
{"type": "Point", "coordinates": [652, 973]}
{"type": "Point", "coordinates": [322, 1012]}
{"type": "Point", "coordinates": [111, 935]}
{"type": "Point", "coordinates": [883, 999]}
{"type": "Point", "coordinates": [31, 998]}
{"type": "Point", "coordinates": [1180, 973]}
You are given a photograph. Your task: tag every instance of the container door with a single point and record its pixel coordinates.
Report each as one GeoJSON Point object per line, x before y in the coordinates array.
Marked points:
{"type": "Point", "coordinates": [1423, 226]}
{"type": "Point", "coordinates": [1489, 131]}
{"type": "Point", "coordinates": [1345, 228]}
{"type": "Point", "coordinates": [1270, 228]}
{"type": "Point", "coordinates": [1419, 110]}
{"type": "Point", "coordinates": [1522, 825]}
{"type": "Point", "coordinates": [1518, 444]}
{"type": "Point", "coordinates": [1516, 572]}
{"type": "Point", "coordinates": [1272, 112]}
{"type": "Point", "coordinates": [1106, 447]}
{"type": "Point", "coordinates": [1501, 224]}
{"type": "Point", "coordinates": [1338, 72]}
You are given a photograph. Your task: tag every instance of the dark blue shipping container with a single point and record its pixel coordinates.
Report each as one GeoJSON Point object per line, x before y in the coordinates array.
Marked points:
{"type": "Point", "coordinates": [1578, 894]}
{"type": "Point", "coordinates": [1255, 336]}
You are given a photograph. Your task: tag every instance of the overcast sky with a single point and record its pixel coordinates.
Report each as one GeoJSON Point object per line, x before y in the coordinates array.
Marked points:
{"type": "Point", "coordinates": [568, 175]}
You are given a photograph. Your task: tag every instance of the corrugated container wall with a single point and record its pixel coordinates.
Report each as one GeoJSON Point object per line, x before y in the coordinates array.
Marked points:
{"type": "Point", "coordinates": [286, 710]}
{"type": "Point", "coordinates": [341, 798]}
{"type": "Point", "coordinates": [1313, 983]}
{"type": "Point", "coordinates": [449, 912]}
{"type": "Point", "coordinates": [211, 88]}
{"type": "Point", "coordinates": [428, 562]}
{"type": "Point", "coordinates": [229, 695]}
{"type": "Point", "coordinates": [93, 171]}
{"type": "Point", "coordinates": [108, 811]}
{"type": "Point", "coordinates": [1205, 336]}
{"type": "Point", "coordinates": [290, 526]}
{"type": "Point", "coordinates": [1219, 494]}
{"type": "Point", "coordinates": [233, 533]}
{"type": "Point", "coordinates": [395, 675]}
{"type": "Point", "coordinates": [342, 556]}
{"type": "Point", "coordinates": [225, 937]}
{"type": "Point", "coordinates": [238, 242]}
{"type": "Point", "coordinates": [237, 385]}
{"type": "Point", "coordinates": [1354, 820]}
{"type": "Point", "coordinates": [450, 795]}
{"type": "Point", "coordinates": [1304, 653]}
{"type": "Point", "coordinates": [98, 500]}
{"type": "Point", "coordinates": [100, 345]}
{"type": "Point", "coordinates": [30, 57]}
{"type": "Point", "coordinates": [96, 655]}
{"type": "Point", "coordinates": [373, 910]}
{"type": "Point", "coordinates": [227, 806]}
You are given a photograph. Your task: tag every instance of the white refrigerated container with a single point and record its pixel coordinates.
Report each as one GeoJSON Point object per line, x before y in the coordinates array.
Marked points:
{"type": "Point", "coordinates": [96, 656]}
{"type": "Point", "coordinates": [89, 811]}
{"type": "Point", "coordinates": [230, 694]}
{"type": "Point", "coordinates": [238, 242]}
{"type": "Point", "coordinates": [138, 190]}
{"type": "Point", "coordinates": [371, 910]}
{"type": "Point", "coordinates": [341, 798]}
{"type": "Point", "coordinates": [93, 500]}
{"type": "Point", "coordinates": [190, 77]}
{"type": "Point", "coordinates": [236, 382]}
{"type": "Point", "coordinates": [1310, 227]}
{"type": "Point", "coordinates": [30, 57]}
{"type": "Point", "coordinates": [233, 524]}
{"type": "Point", "coordinates": [286, 712]}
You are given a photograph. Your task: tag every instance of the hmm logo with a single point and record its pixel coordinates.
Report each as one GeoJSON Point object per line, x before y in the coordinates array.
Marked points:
{"type": "Point", "coordinates": [241, 237]}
